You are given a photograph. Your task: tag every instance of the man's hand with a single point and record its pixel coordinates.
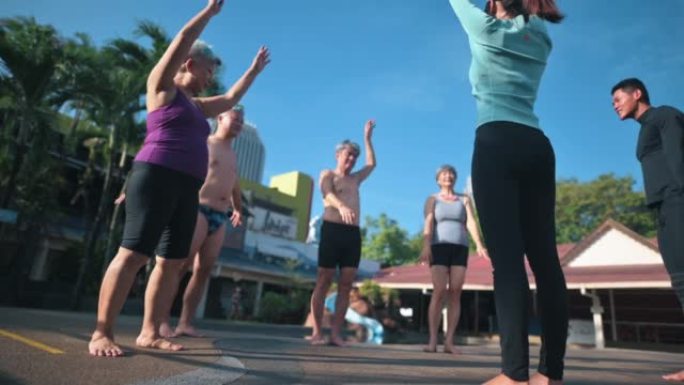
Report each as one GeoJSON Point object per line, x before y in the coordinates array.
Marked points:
{"type": "Point", "coordinates": [120, 199]}
{"type": "Point", "coordinates": [236, 218]}
{"type": "Point", "coordinates": [368, 129]}
{"type": "Point", "coordinates": [347, 215]}
{"type": "Point", "coordinates": [214, 6]}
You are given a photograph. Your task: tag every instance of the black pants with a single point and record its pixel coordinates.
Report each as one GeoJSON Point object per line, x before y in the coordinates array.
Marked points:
{"type": "Point", "coordinates": [670, 224]}
{"type": "Point", "coordinates": [514, 187]}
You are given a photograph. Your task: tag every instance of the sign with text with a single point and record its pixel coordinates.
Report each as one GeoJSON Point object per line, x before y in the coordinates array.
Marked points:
{"type": "Point", "coordinates": [273, 223]}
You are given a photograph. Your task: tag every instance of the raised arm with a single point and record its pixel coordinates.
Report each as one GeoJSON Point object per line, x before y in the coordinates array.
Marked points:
{"type": "Point", "coordinates": [474, 20]}
{"type": "Point", "coordinates": [328, 190]}
{"type": "Point", "coordinates": [160, 87]}
{"type": "Point", "coordinates": [236, 201]}
{"type": "Point", "coordinates": [474, 229]}
{"type": "Point", "coordinates": [214, 105]}
{"type": "Point", "coordinates": [428, 230]}
{"type": "Point", "coordinates": [370, 152]}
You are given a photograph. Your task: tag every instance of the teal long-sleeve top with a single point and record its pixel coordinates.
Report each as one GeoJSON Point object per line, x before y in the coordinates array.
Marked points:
{"type": "Point", "coordinates": [509, 58]}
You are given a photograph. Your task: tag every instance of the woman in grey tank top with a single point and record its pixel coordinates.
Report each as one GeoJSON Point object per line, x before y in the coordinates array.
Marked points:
{"type": "Point", "coordinates": [445, 247]}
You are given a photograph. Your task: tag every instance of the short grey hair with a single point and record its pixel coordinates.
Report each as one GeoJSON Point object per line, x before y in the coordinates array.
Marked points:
{"type": "Point", "coordinates": [238, 108]}
{"type": "Point", "coordinates": [445, 167]}
{"type": "Point", "coordinates": [201, 50]}
{"type": "Point", "coordinates": [348, 143]}
{"type": "Point", "coordinates": [213, 122]}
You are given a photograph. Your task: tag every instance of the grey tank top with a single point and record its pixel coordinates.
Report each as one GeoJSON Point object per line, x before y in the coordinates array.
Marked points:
{"type": "Point", "coordinates": [450, 222]}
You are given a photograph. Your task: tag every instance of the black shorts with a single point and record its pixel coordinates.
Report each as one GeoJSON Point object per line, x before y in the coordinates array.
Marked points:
{"type": "Point", "coordinates": [340, 245]}
{"type": "Point", "coordinates": [161, 211]}
{"type": "Point", "coordinates": [449, 254]}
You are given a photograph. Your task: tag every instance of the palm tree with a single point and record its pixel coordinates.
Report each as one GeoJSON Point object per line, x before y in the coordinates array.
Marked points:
{"type": "Point", "coordinates": [30, 56]}
{"type": "Point", "coordinates": [30, 63]}
{"type": "Point", "coordinates": [116, 105]}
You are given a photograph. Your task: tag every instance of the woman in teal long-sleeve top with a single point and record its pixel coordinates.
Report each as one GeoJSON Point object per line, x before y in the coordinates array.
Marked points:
{"type": "Point", "coordinates": [513, 171]}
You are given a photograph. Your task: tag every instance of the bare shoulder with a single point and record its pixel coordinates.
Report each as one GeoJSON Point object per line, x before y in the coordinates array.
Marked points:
{"type": "Point", "coordinates": [430, 200]}
{"type": "Point", "coordinates": [327, 173]}
{"type": "Point", "coordinates": [429, 205]}
{"type": "Point", "coordinates": [213, 144]}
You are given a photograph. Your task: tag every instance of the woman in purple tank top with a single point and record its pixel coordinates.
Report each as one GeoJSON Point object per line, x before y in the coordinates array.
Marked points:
{"type": "Point", "coordinates": [162, 191]}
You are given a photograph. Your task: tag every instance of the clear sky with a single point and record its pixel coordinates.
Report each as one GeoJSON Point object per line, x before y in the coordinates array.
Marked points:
{"type": "Point", "coordinates": [405, 63]}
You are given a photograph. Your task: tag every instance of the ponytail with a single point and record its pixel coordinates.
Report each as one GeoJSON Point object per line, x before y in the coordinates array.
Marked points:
{"type": "Point", "coordinates": [545, 9]}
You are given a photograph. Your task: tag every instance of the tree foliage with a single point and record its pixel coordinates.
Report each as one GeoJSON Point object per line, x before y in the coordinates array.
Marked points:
{"type": "Point", "coordinates": [582, 206]}
{"type": "Point", "coordinates": [387, 242]}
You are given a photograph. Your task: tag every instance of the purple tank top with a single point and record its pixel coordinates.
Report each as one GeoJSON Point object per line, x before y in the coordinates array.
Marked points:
{"type": "Point", "coordinates": [177, 138]}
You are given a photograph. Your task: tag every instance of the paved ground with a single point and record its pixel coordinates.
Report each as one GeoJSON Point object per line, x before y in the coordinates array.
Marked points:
{"type": "Point", "coordinates": [254, 354]}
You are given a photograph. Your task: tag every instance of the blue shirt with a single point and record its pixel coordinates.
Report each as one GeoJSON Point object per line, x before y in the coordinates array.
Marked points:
{"type": "Point", "coordinates": [509, 58]}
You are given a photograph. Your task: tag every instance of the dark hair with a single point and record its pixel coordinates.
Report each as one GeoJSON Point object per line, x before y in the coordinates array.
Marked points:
{"type": "Point", "coordinates": [631, 84]}
{"type": "Point", "coordinates": [546, 9]}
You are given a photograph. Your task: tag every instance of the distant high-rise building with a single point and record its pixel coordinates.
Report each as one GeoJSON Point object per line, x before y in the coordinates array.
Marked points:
{"type": "Point", "coordinates": [251, 153]}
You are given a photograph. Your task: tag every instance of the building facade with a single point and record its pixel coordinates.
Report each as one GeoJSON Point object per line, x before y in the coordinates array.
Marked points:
{"type": "Point", "coordinates": [251, 153]}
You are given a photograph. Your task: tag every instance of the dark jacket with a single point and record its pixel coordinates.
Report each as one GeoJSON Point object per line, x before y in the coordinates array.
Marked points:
{"type": "Point", "coordinates": [660, 150]}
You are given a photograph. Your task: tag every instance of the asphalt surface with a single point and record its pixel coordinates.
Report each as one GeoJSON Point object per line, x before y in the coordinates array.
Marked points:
{"type": "Point", "coordinates": [47, 347]}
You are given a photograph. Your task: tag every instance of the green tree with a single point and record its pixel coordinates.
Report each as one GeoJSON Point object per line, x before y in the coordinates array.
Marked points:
{"type": "Point", "coordinates": [581, 207]}
{"type": "Point", "coordinates": [387, 242]}
{"type": "Point", "coordinates": [31, 63]}
{"type": "Point", "coordinates": [30, 58]}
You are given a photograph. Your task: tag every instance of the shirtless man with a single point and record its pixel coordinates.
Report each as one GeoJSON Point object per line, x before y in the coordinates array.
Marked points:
{"type": "Point", "coordinates": [219, 193]}
{"type": "Point", "coordinates": [340, 243]}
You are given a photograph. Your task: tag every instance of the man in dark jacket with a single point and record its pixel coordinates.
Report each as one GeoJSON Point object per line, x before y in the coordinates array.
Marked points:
{"type": "Point", "coordinates": [660, 149]}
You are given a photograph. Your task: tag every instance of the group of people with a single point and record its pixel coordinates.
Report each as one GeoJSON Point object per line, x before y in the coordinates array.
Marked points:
{"type": "Point", "coordinates": [184, 182]}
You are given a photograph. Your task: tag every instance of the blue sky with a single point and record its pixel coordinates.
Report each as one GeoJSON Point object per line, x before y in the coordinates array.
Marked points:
{"type": "Point", "coordinates": [405, 63]}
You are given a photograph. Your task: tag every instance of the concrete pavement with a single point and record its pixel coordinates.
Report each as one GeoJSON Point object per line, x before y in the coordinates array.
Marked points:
{"type": "Point", "coordinates": [256, 354]}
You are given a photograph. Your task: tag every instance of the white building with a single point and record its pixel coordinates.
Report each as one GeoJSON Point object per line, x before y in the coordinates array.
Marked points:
{"type": "Point", "coordinates": [251, 153]}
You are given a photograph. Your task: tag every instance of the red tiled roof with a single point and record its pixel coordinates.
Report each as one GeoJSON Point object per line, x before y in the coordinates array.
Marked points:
{"type": "Point", "coordinates": [479, 272]}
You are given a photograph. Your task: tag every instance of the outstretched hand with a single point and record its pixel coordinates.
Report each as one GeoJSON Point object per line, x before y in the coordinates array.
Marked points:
{"type": "Point", "coordinates": [214, 6]}
{"type": "Point", "coordinates": [368, 129]}
{"type": "Point", "coordinates": [262, 58]}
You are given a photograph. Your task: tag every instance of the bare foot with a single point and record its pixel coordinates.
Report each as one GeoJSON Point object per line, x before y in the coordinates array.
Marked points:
{"type": "Point", "coordinates": [317, 339]}
{"type": "Point", "coordinates": [503, 379]}
{"type": "Point", "coordinates": [165, 330]}
{"type": "Point", "coordinates": [540, 379]}
{"type": "Point", "coordinates": [189, 331]}
{"type": "Point", "coordinates": [103, 346]}
{"type": "Point", "coordinates": [450, 349]}
{"type": "Point", "coordinates": [157, 343]}
{"type": "Point", "coordinates": [430, 349]}
{"type": "Point", "coordinates": [337, 341]}
{"type": "Point", "coordinates": [679, 376]}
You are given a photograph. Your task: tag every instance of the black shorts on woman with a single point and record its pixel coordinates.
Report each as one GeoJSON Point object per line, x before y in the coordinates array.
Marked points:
{"type": "Point", "coordinates": [161, 211]}
{"type": "Point", "coordinates": [449, 254]}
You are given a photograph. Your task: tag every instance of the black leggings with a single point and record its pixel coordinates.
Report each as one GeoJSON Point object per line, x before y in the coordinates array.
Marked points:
{"type": "Point", "coordinates": [514, 187]}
